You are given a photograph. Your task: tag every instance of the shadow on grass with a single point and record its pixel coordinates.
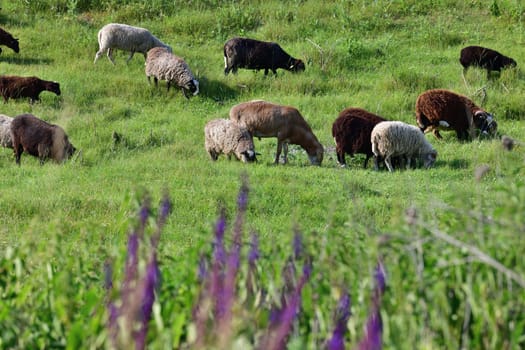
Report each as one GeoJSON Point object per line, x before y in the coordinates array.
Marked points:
{"type": "Point", "coordinates": [216, 90]}
{"type": "Point", "coordinates": [25, 61]}
{"type": "Point", "coordinates": [455, 163]}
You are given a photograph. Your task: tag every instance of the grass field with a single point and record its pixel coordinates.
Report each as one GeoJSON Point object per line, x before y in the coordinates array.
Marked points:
{"type": "Point", "coordinates": [449, 237]}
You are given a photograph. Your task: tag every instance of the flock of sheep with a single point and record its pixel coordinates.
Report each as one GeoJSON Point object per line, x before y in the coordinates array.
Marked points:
{"type": "Point", "coordinates": [355, 130]}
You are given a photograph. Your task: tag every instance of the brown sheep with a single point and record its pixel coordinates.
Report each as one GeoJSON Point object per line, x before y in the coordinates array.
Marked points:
{"type": "Point", "coordinates": [255, 54]}
{"type": "Point", "coordinates": [9, 41]}
{"type": "Point", "coordinates": [443, 109]}
{"type": "Point", "coordinates": [483, 57]}
{"type": "Point", "coordinates": [265, 119]}
{"type": "Point", "coordinates": [351, 131]}
{"type": "Point", "coordinates": [39, 139]}
{"type": "Point", "coordinates": [12, 86]}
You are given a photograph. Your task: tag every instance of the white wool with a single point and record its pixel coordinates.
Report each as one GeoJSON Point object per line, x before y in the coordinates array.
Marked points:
{"type": "Point", "coordinates": [164, 65]}
{"type": "Point", "coordinates": [126, 38]}
{"type": "Point", "coordinates": [223, 136]}
{"type": "Point", "coordinates": [397, 139]}
{"type": "Point", "coordinates": [5, 131]}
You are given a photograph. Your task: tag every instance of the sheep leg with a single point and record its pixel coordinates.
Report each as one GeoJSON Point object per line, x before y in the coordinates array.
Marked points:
{"type": "Point", "coordinates": [279, 149]}
{"type": "Point", "coordinates": [437, 134]}
{"type": "Point", "coordinates": [285, 146]}
{"type": "Point", "coordinates": [110, 55]}
{"type": "Point", "coordinates": [97, 56]}
{"type": "Point", "coordinates": [341, 158]}
{"type": "Point", "coordinates": [156, 81]}
{"type": "Point", "coordinates": [18, 152]}
{"type": "Point", "coordinates": [265, 71]}
{"type": "Point", "coordinates": [366, 161]}
{"type": "Point", "coordinates": [43, 153]}
{"type": "Point", "coordinates": [376, 163]}
{"type": "Point", "coordinates": [388, 163]}
{"type": "Point", "coordinates": [130, 56]}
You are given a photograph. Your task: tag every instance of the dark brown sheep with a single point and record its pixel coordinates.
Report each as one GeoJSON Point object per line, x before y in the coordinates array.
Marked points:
{"type": "Point", "coordinates": [485, 58]}
{"type": "Point", "coordinates": [351, 131]}
{"type": "Point", "coordinates": [39, 139]}
{"type": "Point", "coordinates": [255, 54]}
{"type": "Point", "coordinates": [443, 109]}
{"type": "Point", "coordinates": [12, 86]}
{"type": "Point", "coordinates": [9, 41]}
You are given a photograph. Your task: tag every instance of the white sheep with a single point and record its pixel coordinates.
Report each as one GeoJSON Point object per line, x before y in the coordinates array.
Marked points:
{"type": "Point", "coordinates": [5, 131]}
{"type": "Point", "coordinates": [161, 64]}
{"type": "Point", "coordinates": [397, 139]}
{"type": "Point", "coordinates": [223, 136]}
{"type": "Point", "coordinates": [127, 38]}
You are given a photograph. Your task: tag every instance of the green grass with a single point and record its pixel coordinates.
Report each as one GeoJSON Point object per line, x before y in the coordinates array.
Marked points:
{"type": "Point", "coordinates": [378, 55]}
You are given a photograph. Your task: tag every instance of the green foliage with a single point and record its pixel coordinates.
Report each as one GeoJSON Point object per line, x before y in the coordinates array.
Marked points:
{"type": "Point", "coordinates": [60, 223]}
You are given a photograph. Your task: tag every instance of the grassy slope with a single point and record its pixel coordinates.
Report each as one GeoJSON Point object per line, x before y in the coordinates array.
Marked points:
{"type": "Point", "coordinates": [377, 56]}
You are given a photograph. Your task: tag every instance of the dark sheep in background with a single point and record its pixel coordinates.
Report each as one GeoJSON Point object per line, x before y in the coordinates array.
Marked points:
{"type": "Point", "coordinates": [443, 109]}
{"type": "Point", "coordinates": [39, 139]}
{"type": "Point", "coordinates": [255, 54]}
{"type": "Point", "coordinates": [22, 87]}
{"type": "Point", "coordinates": [9, 41]}
{"type": "Point", "coordinates": [351, 131]}
{"type": "Point", "coordinates": [485, 58]}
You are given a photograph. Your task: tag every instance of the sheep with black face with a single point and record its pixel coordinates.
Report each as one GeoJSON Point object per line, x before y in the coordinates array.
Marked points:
{"type": "Point", "coordinates": [255, 54]}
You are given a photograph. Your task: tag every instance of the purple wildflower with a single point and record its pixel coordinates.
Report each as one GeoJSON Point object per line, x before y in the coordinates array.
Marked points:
{"type": "Point", "coordinates": [380, 278]}
{"type": "Point", "coordinates": [242, 199]}
{"type": "Point", "coordinates": [132, 260]}
{"type": "Point", "coordinates": [148, 285]}
{"type": "Point", "coordinates": [202, 271]}
{"type": "Point", "coordinates": [144, 212]}
{"type": "Point", "coordinates": [254, 254]}
{"type": "Point", "coordinates": [372, 339]}
{"type": "Point", "coordinates": [337, 341]}
{"type": "Point", "coordinates": [164, 211]}
{"type": "Point", "coordinates": [276, 340]}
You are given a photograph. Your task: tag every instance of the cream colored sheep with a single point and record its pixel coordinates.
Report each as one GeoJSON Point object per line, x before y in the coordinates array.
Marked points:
{"type": "Point", "coordinates": [397, 139]}
{"type": "Point", "coordinates": [223, 136]}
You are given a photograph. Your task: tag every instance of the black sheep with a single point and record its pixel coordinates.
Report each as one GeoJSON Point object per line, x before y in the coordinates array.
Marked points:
{"type": "Point", "coordinates": [485, 58]}
{"type": "Point", "coordinates": [255, 54]}
{"type": "Point", "coordinates": [12, 86]}
{"type": "Point", "coordinates": [8, 40]}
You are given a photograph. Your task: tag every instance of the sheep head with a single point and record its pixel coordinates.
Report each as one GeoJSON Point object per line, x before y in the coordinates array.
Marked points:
{"type": "Point", "coordinates": [485, 122]}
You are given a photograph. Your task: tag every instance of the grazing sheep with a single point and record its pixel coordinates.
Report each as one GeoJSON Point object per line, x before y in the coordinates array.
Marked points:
{"type": "Point", "coordinates": [226, 137]}
{"type": "Point", "coordinates": [443, 109]}
{"type": "Point", "coordinates": [351, 131]}
{"type": "Point", "coordinates": [397, 139]}
{"type": "Point", "coordinates": [12, 86]}
{"type": "Point", "coordinates": [9, 41]}
{"type": "Point", "coordinates": [161, 64]}
{"type": "Point", "coordinates": [255, 54]}
{"type": "Point", "coordinates": [265, 119]}
{"type": "Point", "coordinates": [483, 57]}
{"type": "Point", "coordinates": [5, 131]}
{"type": "Point", "coordinates": [127, 38]}
{"type": "Point", "coordinates": [39, 139]}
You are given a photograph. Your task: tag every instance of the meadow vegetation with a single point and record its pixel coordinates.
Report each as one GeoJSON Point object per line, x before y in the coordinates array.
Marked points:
{"type": "Point", "coordinates": [449, 237]}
